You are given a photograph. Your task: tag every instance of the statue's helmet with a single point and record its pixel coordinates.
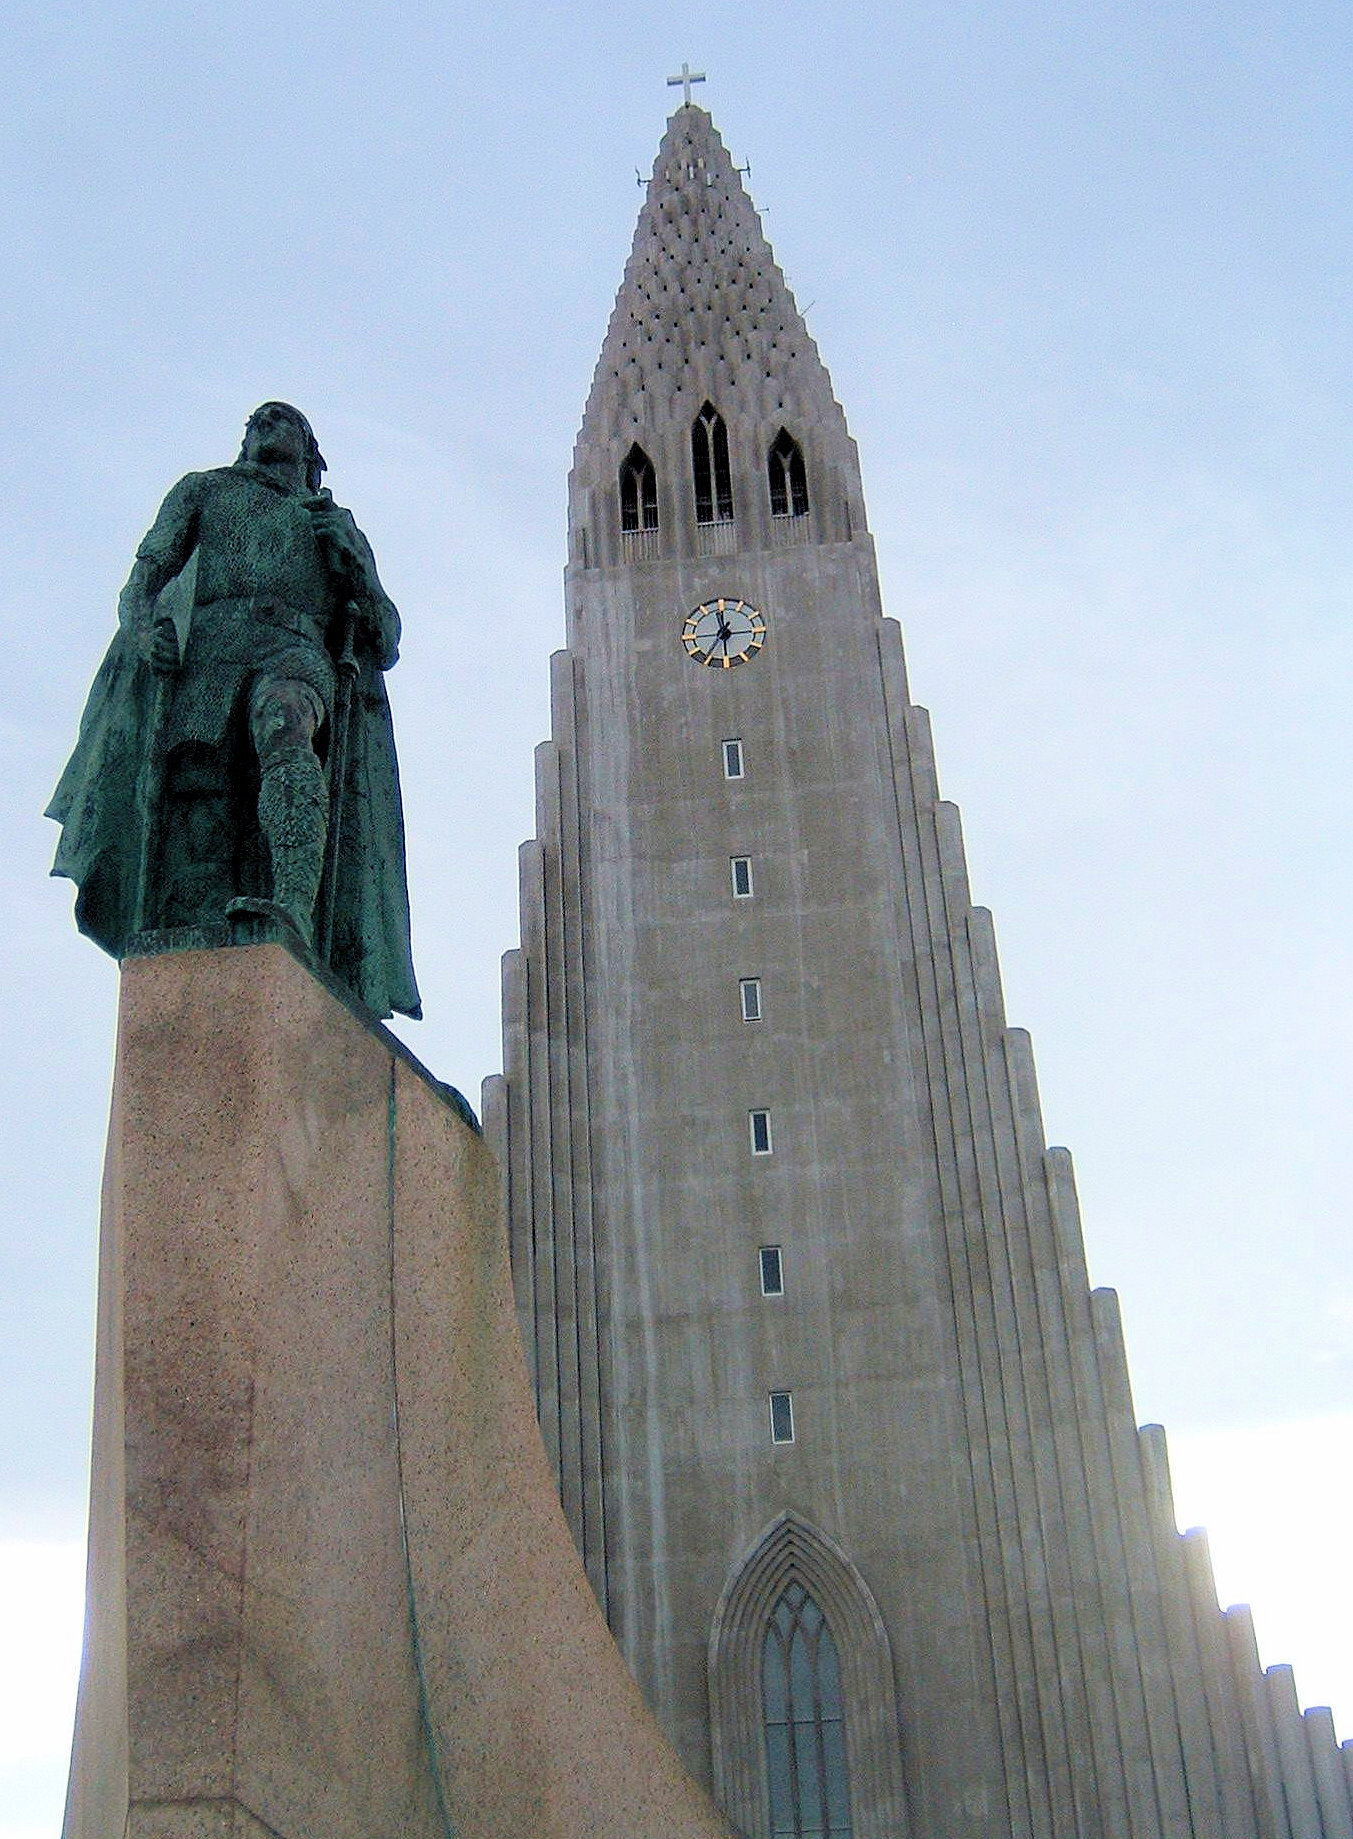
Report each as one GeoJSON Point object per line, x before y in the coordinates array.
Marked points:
{"type": "Point", "coordinates": [315, 463]}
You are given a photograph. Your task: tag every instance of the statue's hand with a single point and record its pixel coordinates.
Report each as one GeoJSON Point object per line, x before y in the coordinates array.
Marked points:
{"type": "Point", "coordinates": [337, 540]}
{"type": "Point", "coordinates": [160, 646]}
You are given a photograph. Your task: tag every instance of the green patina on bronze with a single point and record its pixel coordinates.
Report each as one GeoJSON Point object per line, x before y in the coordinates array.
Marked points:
{"type": "Point", "coordinates": [236, 758]}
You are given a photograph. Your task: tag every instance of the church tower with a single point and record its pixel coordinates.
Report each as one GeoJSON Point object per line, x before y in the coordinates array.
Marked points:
{"type": "Point", "coordinates": [843, 1436]}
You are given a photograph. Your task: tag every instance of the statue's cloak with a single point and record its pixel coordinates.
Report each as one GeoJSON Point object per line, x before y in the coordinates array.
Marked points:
{"type": "Point", "coordinates": [97, 803]}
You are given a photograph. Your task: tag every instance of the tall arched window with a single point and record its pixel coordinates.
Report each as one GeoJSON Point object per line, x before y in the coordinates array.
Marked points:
{"type": "Point", "coordinates": [803, 1713]}
{"type": "Point", "coordinates": [709, 461]}
{"type": "Point", "coordinates": [788, 480]}
{"type": "Point", "coordinates": [638, 491]}
{"type": "Point", "coordinates": [806, 1767]}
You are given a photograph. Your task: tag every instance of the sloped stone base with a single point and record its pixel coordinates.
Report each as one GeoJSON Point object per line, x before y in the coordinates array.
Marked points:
{"type": "Point", "coordinates": [332, 1594]}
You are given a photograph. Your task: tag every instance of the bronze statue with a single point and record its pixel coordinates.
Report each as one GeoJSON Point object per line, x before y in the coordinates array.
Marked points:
{"type": "Point", "coordinates": [236, 754]}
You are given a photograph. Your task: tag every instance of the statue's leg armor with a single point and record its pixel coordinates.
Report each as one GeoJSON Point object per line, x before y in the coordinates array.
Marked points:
{"type": "Point", "coordinates": [293, 798]}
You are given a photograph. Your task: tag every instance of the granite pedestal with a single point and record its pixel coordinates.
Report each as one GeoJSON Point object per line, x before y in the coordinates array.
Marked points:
{"type": "Point", "coordinates": [331, 1590]}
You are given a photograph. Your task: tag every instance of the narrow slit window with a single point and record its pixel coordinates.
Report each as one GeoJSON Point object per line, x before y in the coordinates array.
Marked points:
{"type": "Point", "coordinates": [772, 1271]}
{"type": "Point", "coordinates": [758, 1123]}
{"type": "Point", "coordinates": [710, 468]}
{"type": "Point", "coordinates": [782, 1417]}
{"type": "Point", "coordinates": [638, 492]}
{"type": "Point", "coordinates": [741, 870]}
{"type": "Point", "coordinates": [732, 760]}
{"type": "Point", "coordinates": [788, 479]}
{"type": "Point", "coordinates": [749, 991]}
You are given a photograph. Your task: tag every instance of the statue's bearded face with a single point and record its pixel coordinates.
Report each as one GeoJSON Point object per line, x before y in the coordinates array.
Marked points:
{"type": "Point", "coordinates": [276, 437]}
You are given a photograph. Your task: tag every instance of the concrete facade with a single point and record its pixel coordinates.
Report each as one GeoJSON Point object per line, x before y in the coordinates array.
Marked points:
{"type": "Point", "coordinates": [1027, 1646]}
{"type": "Point", "coordinates": [331, 1590]}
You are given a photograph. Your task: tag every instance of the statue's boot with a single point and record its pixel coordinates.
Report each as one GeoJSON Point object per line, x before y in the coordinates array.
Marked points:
{"type": "Point", "coordinates": [293, 814]}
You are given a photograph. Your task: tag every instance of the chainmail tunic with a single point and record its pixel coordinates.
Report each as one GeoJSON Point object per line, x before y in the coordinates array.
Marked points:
{"type": "Point", "coordinates": [264, 598]}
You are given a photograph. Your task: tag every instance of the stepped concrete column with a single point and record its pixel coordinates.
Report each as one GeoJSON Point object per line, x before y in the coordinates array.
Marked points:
{"type": "Point", "coordinates": [1331, 1785]}
{"type": "Point", "coordinates": [1294, 1755]}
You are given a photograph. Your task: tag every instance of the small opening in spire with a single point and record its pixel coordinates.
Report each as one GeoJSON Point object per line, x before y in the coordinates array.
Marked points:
{"type": "Point", "coordinates": [638, 491]}
{"type": "Point", "coordinates": [709, 462]}
{"type": "Point", "coordinates": [788, 480]}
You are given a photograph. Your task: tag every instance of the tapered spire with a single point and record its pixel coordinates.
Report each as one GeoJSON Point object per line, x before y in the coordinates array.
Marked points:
{"type": "Point", "coordinates": [704, 314]}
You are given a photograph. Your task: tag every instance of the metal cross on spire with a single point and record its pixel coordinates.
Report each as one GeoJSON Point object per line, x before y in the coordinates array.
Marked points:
{"type": "Point", "coordinates": [687, 77]}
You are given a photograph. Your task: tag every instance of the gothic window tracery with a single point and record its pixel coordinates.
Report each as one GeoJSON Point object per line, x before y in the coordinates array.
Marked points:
{"type": "Point", "coordinates": [806, 1765]}
{"type": "Point", "coordinates": [638, 491]}
{"type": "Point", "coordinates": [788, 479]}
{"type": "Point", "coordinates": [803, 1712]}
{"type": "Point", "coordinates": [709, 463]}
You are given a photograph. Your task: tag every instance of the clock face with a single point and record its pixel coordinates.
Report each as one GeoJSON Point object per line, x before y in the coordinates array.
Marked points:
{"type": "Point", "coordinates": [723, 633]}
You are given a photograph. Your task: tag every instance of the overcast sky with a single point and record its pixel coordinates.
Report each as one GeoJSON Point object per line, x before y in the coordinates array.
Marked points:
{"type": "Point", "coordinates": [1081, 274]}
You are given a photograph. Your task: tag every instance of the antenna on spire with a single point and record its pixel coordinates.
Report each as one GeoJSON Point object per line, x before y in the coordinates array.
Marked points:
{"type": "Point", "coordinates": [687, 77]}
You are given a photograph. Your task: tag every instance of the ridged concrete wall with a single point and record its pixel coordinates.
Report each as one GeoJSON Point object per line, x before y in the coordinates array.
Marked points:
{"type": "Point", "coordinates": [1059, 1662]}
